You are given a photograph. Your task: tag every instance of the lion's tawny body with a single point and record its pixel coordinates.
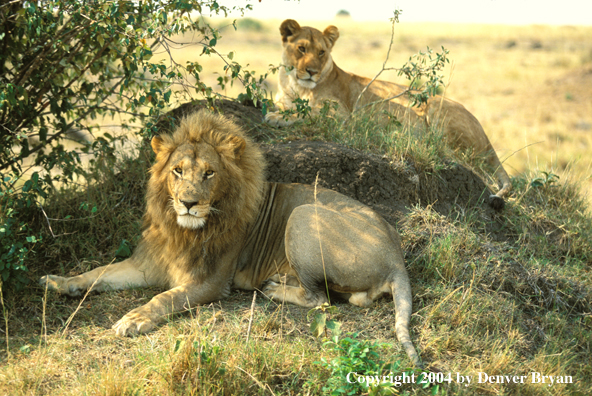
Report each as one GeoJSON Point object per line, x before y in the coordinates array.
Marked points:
{"type": "Point", "coordinates": [310, 73]}
{"type": "Point", "coordinates": [212, 224]}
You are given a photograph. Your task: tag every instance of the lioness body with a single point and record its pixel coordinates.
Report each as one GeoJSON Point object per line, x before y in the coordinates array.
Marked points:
{"type": "Point", "coordinates": [310, 73]}
{"type": "Point", "coordinates": [212, 223]}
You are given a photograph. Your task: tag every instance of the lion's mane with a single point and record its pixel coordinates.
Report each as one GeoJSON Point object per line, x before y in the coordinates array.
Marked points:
{"type": "Point", "coordinates": [239, 196]}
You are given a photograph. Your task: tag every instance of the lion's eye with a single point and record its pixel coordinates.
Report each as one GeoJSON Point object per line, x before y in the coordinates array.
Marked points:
{"type": "Point", "coordinates": [208, 174]}
{"type": "Point", "coordinates": [321, 53]}
{"type": "Point", "coordinates": [178, 171]}
{"type": "Point", "coordinates": [302, 49]}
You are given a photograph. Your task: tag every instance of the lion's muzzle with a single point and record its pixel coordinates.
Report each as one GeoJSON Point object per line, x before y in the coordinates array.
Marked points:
{"type": "Point", "coordinates": [191, 214]}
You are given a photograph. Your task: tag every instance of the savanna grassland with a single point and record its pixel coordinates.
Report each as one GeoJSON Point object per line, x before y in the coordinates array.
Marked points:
{"type": "Point", "coordinates": [510, 303]}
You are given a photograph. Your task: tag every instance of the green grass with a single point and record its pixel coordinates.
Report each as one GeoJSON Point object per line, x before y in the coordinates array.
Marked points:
{"type": "Point", "coordinates": [510, 303]}
{"type": "Point", "coordinates": [374, 131]}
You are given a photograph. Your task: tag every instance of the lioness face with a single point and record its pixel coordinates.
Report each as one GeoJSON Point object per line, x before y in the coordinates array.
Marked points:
{"type": "Point", "coordinates": [193, 180]}
{"type": "Point", "coordinates": [307, 51]}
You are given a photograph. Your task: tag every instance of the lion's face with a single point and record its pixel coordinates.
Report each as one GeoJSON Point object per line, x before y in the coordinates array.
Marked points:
{"type": "Point", "coordinates": [193, 181]}
{"type": "Point", "coordinates": [307, 52]}
{"type": "Point", "coordinates": [208, 176]}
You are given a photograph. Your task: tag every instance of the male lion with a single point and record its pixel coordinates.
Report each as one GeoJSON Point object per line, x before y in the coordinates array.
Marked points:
{"type": "Point", "coordinates": [310, 73]}
{"type": "Point", "coordinates": [212, 223]}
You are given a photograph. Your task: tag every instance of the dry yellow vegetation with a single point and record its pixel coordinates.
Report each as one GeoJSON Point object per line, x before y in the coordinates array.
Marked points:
{"type": "Point", "coordinates": [530, 86]}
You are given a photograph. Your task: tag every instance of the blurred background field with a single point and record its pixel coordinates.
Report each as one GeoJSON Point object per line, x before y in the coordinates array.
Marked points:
{"type": "Point", "coordinates": [530, 86]}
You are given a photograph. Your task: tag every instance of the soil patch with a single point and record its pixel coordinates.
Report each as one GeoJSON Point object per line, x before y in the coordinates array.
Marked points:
{"type": "Point", "coordinates": [390, 188]}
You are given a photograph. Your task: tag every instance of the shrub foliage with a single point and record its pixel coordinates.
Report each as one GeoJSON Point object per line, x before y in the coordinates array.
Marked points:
{"type": "Point", "coordinates": [66, 64]}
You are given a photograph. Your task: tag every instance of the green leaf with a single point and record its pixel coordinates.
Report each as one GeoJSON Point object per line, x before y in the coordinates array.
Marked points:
{"type": "Point", "coordinates": [334, 326]}
{"type": "Point", "coordinates": [124, 250]}
{"type": "Point", "coordinates": [317, 326]}
{"type": "Point", "coordinates": [25, 349]}
{"type": "Point", "coordinates": [178, 344]}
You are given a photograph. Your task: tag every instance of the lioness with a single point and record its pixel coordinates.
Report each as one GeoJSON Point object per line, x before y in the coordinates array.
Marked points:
{"type": "Point", "coordinates": [212, 223]}
{"type": "Point", "coordinates": [310, 73]}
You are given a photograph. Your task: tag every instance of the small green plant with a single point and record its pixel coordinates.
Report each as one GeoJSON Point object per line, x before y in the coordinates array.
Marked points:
{"type": "Point", "coordinates": [124, 250]}
{"type": "Point", "coordinates": [549, 179]}
{"type": "Point", "coordinates": [322, 321]}
{"type": "Point", "coordinates": [358, 368]}
{"type": "Point", "coordinates": [303, 109]}
{"type": "Point", "coordinates": [423, 66]}
{"type": "Point", "coordinates": [255, 94]}
{"type": "Point", "coordinates": [422, 70]}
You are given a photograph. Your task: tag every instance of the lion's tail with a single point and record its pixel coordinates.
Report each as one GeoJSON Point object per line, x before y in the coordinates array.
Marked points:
{"type": "Point", "coordinates": [402, 297]}
{"type": "Point", "coordinates": [496, 201]}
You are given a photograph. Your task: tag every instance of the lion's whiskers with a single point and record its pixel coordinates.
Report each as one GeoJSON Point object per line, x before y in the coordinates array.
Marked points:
{"type": "Point", "coordinates": [215, 211]}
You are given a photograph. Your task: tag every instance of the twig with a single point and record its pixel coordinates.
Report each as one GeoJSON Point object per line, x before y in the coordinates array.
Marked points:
{"type": "Point", "coordinates": [394, 20]}
{"type": "Point", "coordinates": [283, 303]}
{"type": "Point", "coordinates": [251, 317]}
{"type": "Point", "coordinates": [257, 381]}
{"type": "Point", "coordinates": [404, 92]}
{"type": "Point", "coordinates": [49, 225]}
{"type": "Point", "coordinates": [60, 133]}
{"type": "Point", "coordinates": [43, 322]}
{"type": "Point", "coordinates": [5, 315]}
{"type": "Point", "coordinates": [319, 236]}
{"type": "Point", "coordinates": [9, 3]}
{"type": "Point", "coordinates": [84, 298]}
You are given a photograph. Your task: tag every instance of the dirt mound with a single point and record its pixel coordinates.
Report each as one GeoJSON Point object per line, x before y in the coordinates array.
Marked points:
{"type": "Point", "coordinates": [249, 117]}
{"type": "Point", "coordinates": [390, 188]}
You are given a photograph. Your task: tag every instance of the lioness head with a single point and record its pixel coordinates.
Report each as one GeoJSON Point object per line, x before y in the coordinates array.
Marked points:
{"type": "Point", "coordinates": [307, 51]}
{"type": "Point", "coordinates": [200, 169]}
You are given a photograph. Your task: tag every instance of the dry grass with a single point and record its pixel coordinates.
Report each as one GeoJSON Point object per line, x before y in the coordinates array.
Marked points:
{"type": "Point", "coordinates": [481, 305]}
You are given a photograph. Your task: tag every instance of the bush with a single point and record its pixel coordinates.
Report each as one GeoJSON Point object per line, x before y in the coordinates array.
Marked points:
{"type": "Point", "coordinates": [65, 64]}
{"type": "Point", "coordinates": [16, 238]}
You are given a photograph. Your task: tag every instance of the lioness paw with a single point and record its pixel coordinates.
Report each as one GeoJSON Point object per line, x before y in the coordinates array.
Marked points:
{"type": "Point", "coordinates": [133, 323]}
{"type": "Point", "coordinates": [275, 118]}
{"type": "Point", "coordinates": [61, 285]}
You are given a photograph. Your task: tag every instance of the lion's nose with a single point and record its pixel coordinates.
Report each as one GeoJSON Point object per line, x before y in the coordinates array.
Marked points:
{"type": "Point", "coordinates": [189, 205]}
{"type": "Point", "coordinates": [311, 72]}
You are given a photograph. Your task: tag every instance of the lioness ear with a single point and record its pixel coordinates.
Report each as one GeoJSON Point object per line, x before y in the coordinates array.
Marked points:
{"type": "Point", "coordinates": [331, 34]}
{"type": "Point", "coordinates": [233, 147]}
{"type": "Point", "coordinates": [289, 28]}
{"type": "Point", "coordinates": [156, 144]}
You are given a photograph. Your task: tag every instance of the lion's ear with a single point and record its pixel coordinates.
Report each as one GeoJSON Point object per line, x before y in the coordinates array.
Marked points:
{"type": "Point", "coordinates": [331, 33]}
{"type": "Point", "coordinates": [289, 28]}
{"type": "Point", "coordinates": [233, 147]}
{"type": "Point", "coordinates": [156, 144]}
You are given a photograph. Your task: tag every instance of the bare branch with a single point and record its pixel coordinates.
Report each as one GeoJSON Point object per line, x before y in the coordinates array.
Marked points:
{"type": "Point", "coordinates": [394, 20]}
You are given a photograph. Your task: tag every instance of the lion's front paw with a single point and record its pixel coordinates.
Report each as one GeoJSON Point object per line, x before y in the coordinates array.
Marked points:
{"type": "Point", "coordinates": [275, 118]}
{"type": "Point", "coordinates": [270, 288]}
{"type": "Point", "coordinates": [133, 323]}
{"type": "Point", "coordinates": [61, 285]}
